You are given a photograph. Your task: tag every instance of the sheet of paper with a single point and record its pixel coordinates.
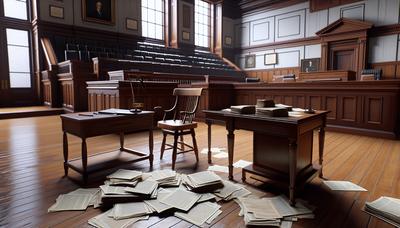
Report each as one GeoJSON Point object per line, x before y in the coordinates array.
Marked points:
{"type": "Point", "coordinates": [113, 190]}
{"type": "Point", "coordinates": [200, 213]}
{"type": "Point", "coordinates": [281, 203]}
{"type": "Point", "coordinates": [213, 150]}
{"type": "Point", "coordinates": [386, 206]}
{"type": "Point", "coordinates": [286, 224]}
{"type": "Point", "coordinates": [221, 155]}
{"type": "Point", "coordinates": [125, 174]}
{"type": "Point", "coordinates": [130, 210]}
{"type": "Point", "coordinates": [181, 199]}
{"type": "Point", "coordinates": [228, 189]}
{"type": "Point", "coordinates": [241, 164]}
{"type": "Point", "coordinates": [71, 203]}
{"type": "Point", "coordinates": [214, 216]}
{"type": "Point", "coordinates": [343, 186]}
{"type": "Point", "coordinates": [104, 221]}
{"type": "Point", "coordinates": [218, 168]}
{"type": "Point", "coordinates": [261, 208]}
{"type": "Point", "coordinates": [144, 187]}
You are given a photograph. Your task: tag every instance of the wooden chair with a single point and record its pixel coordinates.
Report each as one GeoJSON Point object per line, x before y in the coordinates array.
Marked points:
{"type": "Point", "coordinates": [184, 109]}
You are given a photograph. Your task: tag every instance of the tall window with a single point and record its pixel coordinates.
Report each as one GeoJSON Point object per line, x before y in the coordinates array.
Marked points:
{"type": "Point", "coordinates": [18, 58]}
{"type": "Point", "coordinates": [202, 21]}
{"type": "Point", "coordinates": [153, 19]}
{"type": "Point", "coordinates": [16, 9]}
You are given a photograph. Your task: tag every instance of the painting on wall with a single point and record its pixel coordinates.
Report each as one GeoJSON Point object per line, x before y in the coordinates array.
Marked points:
{"type": "Point", "coordinates": [310, 65]}
{"type": "Point", "coordinates": [250, 61]}
{"type": "Point", "coordinates": [270, 59]}
{"type": "Point", "coordinates": [99, 11]}
{"type": "Point", "coordinates": [57, 12]}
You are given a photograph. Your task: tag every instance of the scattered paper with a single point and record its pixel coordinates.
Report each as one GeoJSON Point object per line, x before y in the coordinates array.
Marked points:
{"type": "Point", "coordinates": [221, 155]}
{"type": "Point", "coordinates": [343, 186]}
{"type": "Point", "coordinates": [181, 199]}
{"type": "Point", "coordinates": [218, 168]}
{"type": "Point", "coordinates": [200, 213]}
{"type": "Point", "coordinates": [71, 203]}
{"type": "Point", "coordinates": [241, 164]}
{"type": "Point", "coordinates": [214, 150]}
{"type": "Point", "coordinates": [105, 221]}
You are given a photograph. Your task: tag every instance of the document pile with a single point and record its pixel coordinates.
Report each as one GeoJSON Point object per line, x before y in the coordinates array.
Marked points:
{"type": "Point", "coordinates": [205, 181]}
{"type": "Point", "coordinates": [271, 211]}
{"type": "Point", "coordinates": [76, 200]}
{"type": "Point", "coordinates": [201, 213]}
{"type": "Point", "coordinates": [386, 207]}
{"type": "Point", "coordinates": [231, 191]}
{"type": "Point", "coordinates": [165, 178]}
{"type": "Point", "coordinates": [106, 220]}
{"type": "Point", "coordinates": [127, 186]}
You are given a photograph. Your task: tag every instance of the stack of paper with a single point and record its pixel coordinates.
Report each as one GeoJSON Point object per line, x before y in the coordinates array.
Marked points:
{"type": "Point", "coordinates": [124, 177]}
{"type": "Point", "coordinates": [343, 186]}
{"type": "Point", "coordinates": [130, 210]}
{"type": "Point", "coordinates": [205, 181]}
{"type": "Point", "coordinates": [231, 191]}
{"type": "Point", "coordinates": [201, 213]}
{"type": "Point", "coordinates": [79, 199]}
{"type": "Point", "coordinates": [166, 178]}
{"type": "Point", "coordinates": [106, 220]}
{"type": "Point", "coordinates": [271, 211]}
{"type": "Point", "coordinates": [385, 206]}
{"type": "Point", "coordinates": [181, 199]}
{"type": "Point", "coordinates": [146, 189]}
{"type": "Point", "coordinates": [156, 203]}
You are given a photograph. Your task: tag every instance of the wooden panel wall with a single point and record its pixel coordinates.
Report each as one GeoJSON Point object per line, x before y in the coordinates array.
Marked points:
{"type": "Point", "coordinates": [390, 70]}
{"type": "Point", "coordinates": [266, 75]}
{"type": "Point", "coordinates": [370, 108]}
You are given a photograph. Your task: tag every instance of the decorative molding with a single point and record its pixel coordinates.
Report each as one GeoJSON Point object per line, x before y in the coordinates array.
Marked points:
{"type": "Point", "coordinates": [285, 18]}
{"type": "Point", "coordinates": [260, 23]}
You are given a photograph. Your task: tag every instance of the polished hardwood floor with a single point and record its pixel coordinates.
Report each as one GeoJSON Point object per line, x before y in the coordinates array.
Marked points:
{"type": "Point", "coordinates": [32, 175]}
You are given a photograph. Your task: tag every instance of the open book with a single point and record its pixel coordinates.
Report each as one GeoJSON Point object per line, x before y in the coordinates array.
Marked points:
{"type": "Point", "coordinates": [387, 207]}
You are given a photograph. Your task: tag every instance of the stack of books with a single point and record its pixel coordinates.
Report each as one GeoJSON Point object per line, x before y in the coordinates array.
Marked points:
{"type": "Point", "coordinates": [385, 208]}
{"type": "Point", "coordinates": [243, 109]}
{"type": "Point", "coordinates": [124, 177]}
{"type": "Point", "coordinates": [205, 181]}
{"type": "Point", "coordinates": [273, 112]}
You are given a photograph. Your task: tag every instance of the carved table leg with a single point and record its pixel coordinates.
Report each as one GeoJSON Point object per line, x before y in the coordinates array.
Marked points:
{"type": "Point", "coordinates": [292, 170]}
{"type": "Point", "coordinates": [321, 149]}
{"type": "Point", "coordinates": [65, 152]}
{"type": "Point", "coordinates": [209, 140]}
{"type": "Point", "coordinates": [151, 146]}
{"type": "Point", "coordinates": [231, 143]}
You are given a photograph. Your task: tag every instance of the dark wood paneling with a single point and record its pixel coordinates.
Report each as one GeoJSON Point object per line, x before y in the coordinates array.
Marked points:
{"type": "Point", "coordinates": [267, 74]}
{"type": "Point", "coordinates": [390, 70]}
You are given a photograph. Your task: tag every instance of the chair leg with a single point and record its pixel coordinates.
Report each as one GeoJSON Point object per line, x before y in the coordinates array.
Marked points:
{"type": "Point", "coordinates": [174, 150]}
{"type": "Point", "coordinates": [163, 145]}
{"type": "Point", "coordinates": [196, 151]}
{"type": "Point", "coordinates": [182, 145]}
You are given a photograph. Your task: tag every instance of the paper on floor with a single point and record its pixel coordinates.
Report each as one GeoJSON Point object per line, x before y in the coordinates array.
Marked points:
{"type": "Point", "coordinates": [218, 168]}
{"type": "Point", "coordinates": [344, 186]}
{"type": "Point", "coordinates": [241, 164]}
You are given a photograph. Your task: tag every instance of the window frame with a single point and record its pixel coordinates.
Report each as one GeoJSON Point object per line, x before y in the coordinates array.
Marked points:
{"type": "Point", "coordinates": [163, 25]}
{"type": "Point", "coordinates": [209, 25]}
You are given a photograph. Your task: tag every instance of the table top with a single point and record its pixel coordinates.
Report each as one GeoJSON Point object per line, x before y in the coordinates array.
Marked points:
{"type": "Point", "coordinates": [101, 115]}
{"type": "Point", "coordinates": [294, 117]}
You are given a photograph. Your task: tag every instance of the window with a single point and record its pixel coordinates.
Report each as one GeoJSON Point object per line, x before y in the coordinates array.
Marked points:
{"type": "Point", "coordinates": [202, 21]}
{"type": "Point", "coordinates": [16, 9]}
{"type": "Point", "coordinates": [153, 19]}
{"type": "Point", "coordinates": [18, 58]}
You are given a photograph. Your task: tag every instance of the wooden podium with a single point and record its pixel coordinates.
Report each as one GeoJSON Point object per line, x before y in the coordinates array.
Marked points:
{"type": "Point", "coordinates": [332, 75]}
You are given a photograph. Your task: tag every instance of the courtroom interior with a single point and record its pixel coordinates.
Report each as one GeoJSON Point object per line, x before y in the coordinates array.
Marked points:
{"type": "Point", "coordinates": [200, 113]}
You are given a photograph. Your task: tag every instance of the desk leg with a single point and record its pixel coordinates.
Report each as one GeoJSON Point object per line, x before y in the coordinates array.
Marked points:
{"type": "Point", "coordinates": [321, 148]}
{"type": "Point", "coordinates": [231, 143]}
{"type": "Point", "coordinates": [65, 152]}
{"type": "Point", "coordinates": [151, 146]}
{"type": "Point", "coordinates": [121, 140]}
{"type": "Point", "coordinates": [84, 161]}
{"type": "Point", "coordinates": [209, 140]}
{"type": "Point", "coordinates": [292, 170]}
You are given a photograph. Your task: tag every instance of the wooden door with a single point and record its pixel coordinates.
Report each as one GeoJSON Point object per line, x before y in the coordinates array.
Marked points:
{"type": "Point", "coordinates": [344, 60]}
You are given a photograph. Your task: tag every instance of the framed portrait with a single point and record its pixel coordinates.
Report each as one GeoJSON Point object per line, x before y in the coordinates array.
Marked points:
{"type": "Point", "coordinates": [99, 11]}
{"type": "Point", "coordinates": [131, 24]}
{"type": "Point", "coordinates": [185, 35]}
{"type": "Point", "coordinates": [310, 65]}
{"type": "Point", "coordinates": [270, 59]}
{"type": "Point", "coordinates": [56, 11]}
{"type": "Point", "coordinates": [250, 61]}
{"type": "Point", "coordinates": [228, 40]}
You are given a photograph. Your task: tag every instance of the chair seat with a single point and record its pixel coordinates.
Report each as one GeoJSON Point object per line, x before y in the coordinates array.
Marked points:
{"type": "Point", "coordinates": [176, 125]}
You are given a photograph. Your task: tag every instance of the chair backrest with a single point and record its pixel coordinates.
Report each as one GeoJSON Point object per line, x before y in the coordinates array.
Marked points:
{"type": "Point", "coordinates": [186, 103]}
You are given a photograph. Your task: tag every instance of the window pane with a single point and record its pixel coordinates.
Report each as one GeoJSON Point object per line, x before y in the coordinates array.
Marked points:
{"type": "Point", "coordinates": [17, 37]}
{"type": "Point", "coordinates": [20, 80]}
{"type": "Point", "coordinates": [18, 59]}
{"type": "Point", "coordinates": [15, 9]}
{"type": "Point", "coordinates": [153, 18]}
{"type": "Point", "coordinates": [202, 23]}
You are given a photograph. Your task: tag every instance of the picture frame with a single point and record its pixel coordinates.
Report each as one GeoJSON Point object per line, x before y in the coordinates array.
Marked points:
{"type": "Point", "coordinates": [56, 12]}
{"type": "Point", "coordinates": [131, 24]}
{"type": "Point", "coordinates": [185, 35]}
{"type": "Point", "coordinates": [228, 40]}
{"type": "Point", "coordinates": [270, 59]}
{"type": "Point", "coordinates": [99, 11]}
{"type": "Point", "coordinates": [250, 61]}
{"type": "Point", "coordinates": [310, 65]}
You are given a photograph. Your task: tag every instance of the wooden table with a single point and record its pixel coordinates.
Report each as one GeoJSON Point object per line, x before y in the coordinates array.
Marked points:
{"type": "Point", "coordinates": [282, 146]}
{"type": "Point", "coordinates": [86, 125]}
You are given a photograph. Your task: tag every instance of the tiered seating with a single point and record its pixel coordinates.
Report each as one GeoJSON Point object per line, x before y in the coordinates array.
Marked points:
{"type": "Point", "coordinates": [152, 56]}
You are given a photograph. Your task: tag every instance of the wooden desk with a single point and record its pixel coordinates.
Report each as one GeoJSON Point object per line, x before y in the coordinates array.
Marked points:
{"type": "Point", "coordinates": [282, 146]}
{"type": "Point", "coordinates": [103, 124]}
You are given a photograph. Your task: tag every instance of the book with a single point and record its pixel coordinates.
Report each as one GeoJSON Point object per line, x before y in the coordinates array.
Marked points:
{"type": "Point", "coordinates": [264, 103]}
{"type": "Point", "coordinates": [243, 109]}
{"type": "Point", "coordinates": [273, 112]}
{"type": "Point", "coordinates": [387, 207]}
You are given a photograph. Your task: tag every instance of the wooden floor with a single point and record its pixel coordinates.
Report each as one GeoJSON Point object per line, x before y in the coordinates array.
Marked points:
{"type": "Point", "coordinates": [31, 175]}
{"type": "Point", "coordinates": [31, 111]}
